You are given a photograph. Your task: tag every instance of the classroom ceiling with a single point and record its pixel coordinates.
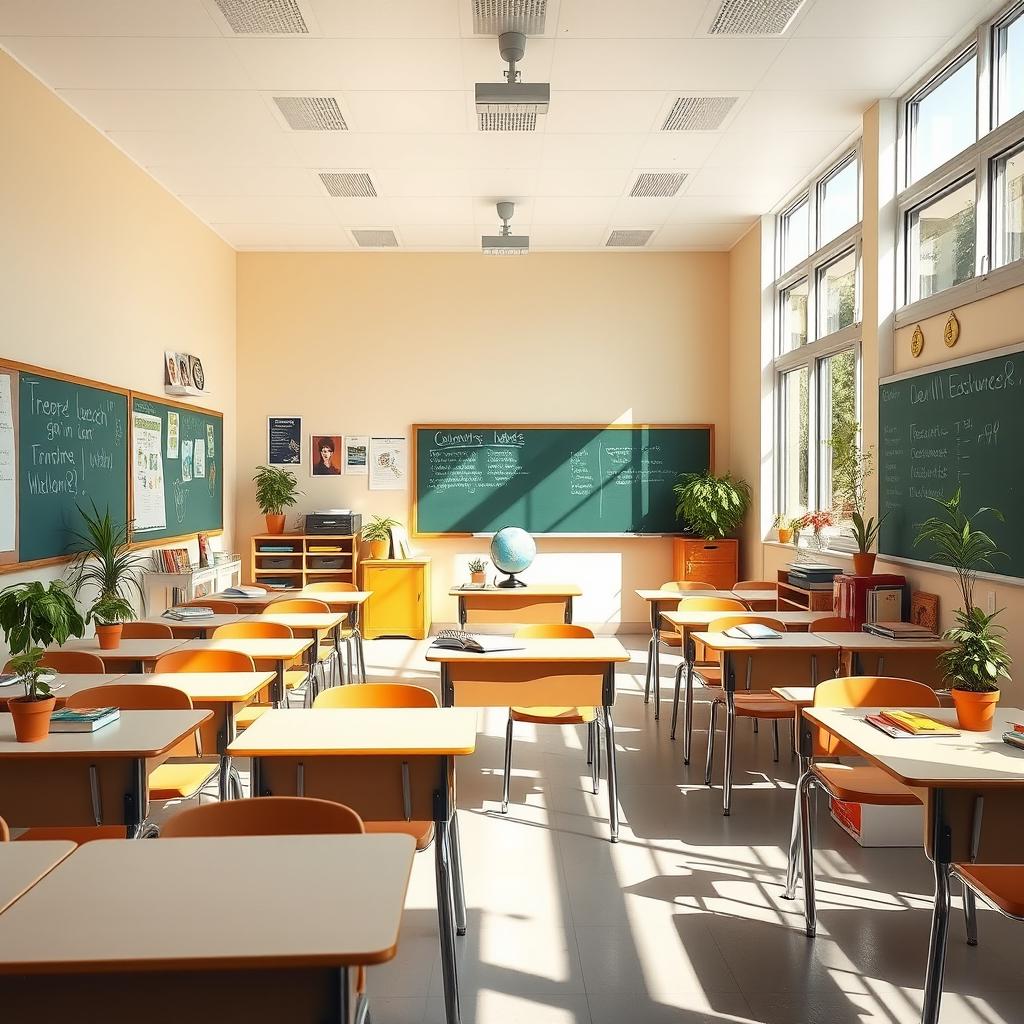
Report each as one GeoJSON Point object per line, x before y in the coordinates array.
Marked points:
{"type": "Point", "coordinates": [196, 104]}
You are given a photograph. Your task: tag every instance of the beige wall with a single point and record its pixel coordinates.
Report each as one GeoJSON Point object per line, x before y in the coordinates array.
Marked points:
{"type": "Point", "coordinates": [100, 268]}
{"type": "Point", "coordinates": [370, 344]}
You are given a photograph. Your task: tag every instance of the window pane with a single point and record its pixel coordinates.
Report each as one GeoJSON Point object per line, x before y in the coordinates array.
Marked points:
{"type": "Point", "coordinates": [838, 203]}
{"type": "Point", "coordinates": [941, 242]}
{"type": "Point", "coordinates": [795, 238]}
{"type": "Point", "coordinates": [838, 376]}
{"type": "Point", "coordinates": [1010, 212]}
{"type": "Point", "coordinates": [794, 317]}
{"type": "Point", "coordinates": [795, 424]}
{"type": "Point", "coordinates": [1011, 69]}
{"type": "Point", "coordinates": [836, 294]}
{"type": "Point", "coordinates": [943, 121]}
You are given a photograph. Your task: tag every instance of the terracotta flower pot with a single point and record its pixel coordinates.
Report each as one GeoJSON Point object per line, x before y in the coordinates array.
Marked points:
{"type": "Point", "coordinates": [785, 536]}
{"type": "Point", "coordinates": [379, 548]}
{"type": "Point", "coordinates": [31, 718]}
{"type": "Point", "coordinates": [478, 577]}
{"type": "Point", "coordinates": [275, 524]}
{"type": "Point", "coordinates": [108, 635]}
{"type": "Point", "coordinates": [975, 711]}
{"type": "Point", "coordinates": [864, 563]}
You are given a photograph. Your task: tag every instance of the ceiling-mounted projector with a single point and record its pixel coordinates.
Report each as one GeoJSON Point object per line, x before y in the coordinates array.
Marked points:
{"type": "Point", "coordinates": [505, 243]}
{"type": "Point", "coordinates": [512, 96]}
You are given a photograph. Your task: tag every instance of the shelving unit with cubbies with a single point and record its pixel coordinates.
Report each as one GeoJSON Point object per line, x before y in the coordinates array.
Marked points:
{"type": "Point", "coordinates": [294, 560]}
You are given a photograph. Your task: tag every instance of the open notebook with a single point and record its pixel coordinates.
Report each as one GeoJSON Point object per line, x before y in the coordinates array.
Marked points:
{"type": "Point", "coordinates": [753, 631]}
{"type": "Point", "coordinates": [456, 640]}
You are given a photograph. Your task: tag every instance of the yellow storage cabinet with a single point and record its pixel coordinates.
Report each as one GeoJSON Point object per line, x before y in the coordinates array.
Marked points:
{"type": "Point", "coordinates": [400, 605]}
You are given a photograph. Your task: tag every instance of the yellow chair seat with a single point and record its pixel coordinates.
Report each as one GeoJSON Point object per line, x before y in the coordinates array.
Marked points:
{"type": "Point", "coordinates": [179, 781]}
{"type": "Point", "coordinates": [421, 831]}
{"type": "Point", "coordinates": [762, 705]}
{"type": "Point", "coordinates": [554, 716]}
{"type": "Point", "coordinates": [248, 715]}
{"type": "Point", "coordinates": [711, 675]}
{"type": "Point", "coordinates": [670, 638]}
{"type": "Point", "coordinates": [863, 784]}
{"type": "Point", "coordinates": [294, 678]}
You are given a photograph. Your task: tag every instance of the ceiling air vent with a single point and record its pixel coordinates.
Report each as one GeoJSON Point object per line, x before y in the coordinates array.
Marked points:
{"type": "Point", "coordinates": [657, 184]}
{"type": "Point", "coordinates": [698, 113]}
{"type": "Point", "coordinates": [348, 184]}
{"type": "Point", "coordinates": [374, 238]}
{"type": "Point", "coordinates": [263, 17]}
{"type": "Point", "coordinates": [508, 121]}
{"type": "Point", "coordinates": [629, 237]}
{"type": "Point", "coordinates": [312, 113]}
{"type": "Point", "coordinates": [754, 17]}
{"type": "Point", "coordinates": [492, 17]}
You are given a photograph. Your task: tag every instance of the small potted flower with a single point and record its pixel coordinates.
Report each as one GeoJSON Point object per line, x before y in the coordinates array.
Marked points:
{"type": "Point", "coordinates": [477, 570]}
{"type": "Point", "coordinates": [814, 521]}
{"type": "Point", "coordinates": [108, 568]}
{"type": "Point", "coordinates": [276, 490]}
{"type": "Point", "coordinates": [377, 533]}
{"type": "Point", "coordinates": [33, 617]}
{"type": "Point", "coordinates": [785, 524]}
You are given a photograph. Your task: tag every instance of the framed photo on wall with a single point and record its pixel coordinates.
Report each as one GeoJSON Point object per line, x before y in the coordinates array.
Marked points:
{"type": "Point", "coordinates": [325, 455]}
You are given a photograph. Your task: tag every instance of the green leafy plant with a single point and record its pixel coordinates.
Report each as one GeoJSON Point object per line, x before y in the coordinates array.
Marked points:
{"type": "Point", "coordinates": [276, 490]}
{"type": "Point", "coordinates": [477, 564]}
{"type": "Point", "coordinates": [379, 528]}
{"type": "Point", "coordinates": [106, 563]}
{"type": "Point", "coordinates": [784, 521]}
{"type": "Point", "coordinates": [712, 506]}
{"type": "Point", "coordinates": [979, 658]}
{"type": "Point", "coordinates": [851, 466]}
{"type": "Point", "coordinates": [865, 531]}
{"type": "Point", "coordinates": [33, 617]}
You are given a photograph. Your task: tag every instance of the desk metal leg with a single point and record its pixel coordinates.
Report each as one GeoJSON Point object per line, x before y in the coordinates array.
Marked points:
{"type": "Point", "coordinates": [568, 610]}
{"type": "Point", "coordinates": [224, 780]}
{"type": "Point", "coordinates": [651, 648]}
{"type": "Point", "coordinates": [462, 613]}
{"type": "Point", "coordinates": [680, 668]}
{"type": "Point", "coordinates": [688, 705]}
{"type": "Point", "coordinates": [656, 678]}
{"type": "Point", "coordinates": [345, 1001]}
{"type": "Point", "coordinates": [459, 882]}
{"type": "Point", "coordinates": [730, 738]}
{"type": "Point", "coordinates": [613, 792]}
{"type": "Point", "coordinates": [793, 866]}
{"type": "Point", "coordinates": [940, 915]}
{"type": "Point", "coordinates": [359, 652]}
{"type": "Point", "coordinates": [279, 700]}
{"type": "Point", "coordinates": [446, 921]}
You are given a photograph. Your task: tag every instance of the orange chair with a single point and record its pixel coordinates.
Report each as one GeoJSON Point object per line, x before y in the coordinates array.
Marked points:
{"type": "Point", "coordinates": [377, 695]}
{"type": "Point", "coordinates": [999, 885]}
{"type": "Point", "coordinates": [349, 635]}
{"type": "Point", "coordinates": [253, 629]}
{"type": "Point", "coordinates": [215, 606]}
{"type": "Point", "coordinates": [306, 606]}
{"type": "Point", "coordinates": [755, 585]}
{"type": "Point", "coordinates": [683, 585]}
{"type": "Point", "coordinates": [554, 715]}
{"type": "Point", "coordinates": [73, 661]}
{"type": "Point", "coordinates": [5, 832]}
{"type": "Point", "coordinates": [832, 624]}
{"type": "Point", "coordinates": [863, 784]}
{"type": "Point", "coordinates": [146, 631]}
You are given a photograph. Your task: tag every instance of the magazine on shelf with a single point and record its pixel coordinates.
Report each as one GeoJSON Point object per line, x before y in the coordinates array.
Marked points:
{"type": "Point", "coordinates": [457, 640]}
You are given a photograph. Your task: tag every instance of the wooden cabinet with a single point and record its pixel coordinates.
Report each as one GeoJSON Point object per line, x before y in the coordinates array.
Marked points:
{"type": "Point", "coordinates": [294, 560]}
{"type": "Point", "coordinates": [716, 562]}
{"type": "Point", "coordinates": [793, 598]}
{"type": "Point", "coordinates": [400, 605]}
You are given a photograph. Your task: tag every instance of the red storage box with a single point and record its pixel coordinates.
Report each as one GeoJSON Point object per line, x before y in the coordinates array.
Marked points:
{"type": "Point", "coordinates": [849, 593]}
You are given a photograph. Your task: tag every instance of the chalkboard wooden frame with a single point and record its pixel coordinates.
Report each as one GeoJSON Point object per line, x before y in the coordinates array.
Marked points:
{"type": "Point", "coordinates": [142, 541]}
{"type": "Point", "coordinates": [414, 449]}
{"type": "Point", "coordinates": [10, 561]}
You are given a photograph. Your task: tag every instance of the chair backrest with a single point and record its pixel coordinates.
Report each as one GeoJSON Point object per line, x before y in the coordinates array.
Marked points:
{"type": "Point", "coordinates": [312, 588]}
{"type": "Point", "coordinates": [140, 697]}
{"type": "Point", "coordinates": [295, 605]}
{"type": "Point", "coordinates": [712, 604]}
{"type": "Point", "coordinates": [377, 695]}
{"type": "Point", "coordinates": [204, 661]}
{"type": "Point", "coordinates": [73, 661]}
{"type": "Point", "coordinates": [5, 832]}
{"type": "Point", "coordinates": [217, 607]}
{"type": "Point", "coordinates": [265, 816]}
{"type": "Point", "coordinates": [146, 631]}
{"type": "Point", "coordinates": [554, 631]}
{"type": "Point", "coordinates": [253, 630]}
{"type": "Point", "coordinates": [721, 625]}
{"type": "Point", "coordinates": [865, 692]}
{"type": "Point", "coordinates": [259, 586]}
{"type": "Point", "coordinates": [682, 585]}
{"type": "Point", "coordinates": [832, 624]}
{"type": "Point", "coordinates": [756, 585]}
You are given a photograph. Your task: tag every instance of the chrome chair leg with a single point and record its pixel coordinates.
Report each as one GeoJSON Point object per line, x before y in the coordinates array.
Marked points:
{"type": "Point", "coordinates": [711, 743]}
{"type": "Point", "coordinates": [936, 962]}
{"type": "Point", "coordinates": [650, 668]}
{"type": "Point", "coordinates": [458, 880]}
{"type": "Point", "coordinates": [508, 765]}
{"type": "Point", "coordinates": [970, 916]}
{"type": "Point", "coordinates": [680, 668]}
{"type": "Point", "coordinates": [807, 842]}
{"type": "Point", "coordinates": [595, 776]}
{"type": "Point", "coordinates": [235, 783]}
{"type": "Point", "coordinates": [730, 743]}
{"type": "Point", "coordinates": [775, 740]}
{"type": "Point", "coordinates": [350, 674]}
{"type": "Point", "coordinates": [793, 864]}
{"type": "Point", "coordinates": [590, 743]}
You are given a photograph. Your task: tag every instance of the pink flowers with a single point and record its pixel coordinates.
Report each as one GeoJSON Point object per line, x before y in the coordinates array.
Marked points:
{"type": "Point", "coordinates": [816, 520]}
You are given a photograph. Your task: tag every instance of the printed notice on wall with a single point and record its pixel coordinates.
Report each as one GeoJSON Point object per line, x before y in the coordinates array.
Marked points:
{"type": "Point", "coordinates": [284, 440]}
{"type": "Point", "coordinates": [355, 455]}
{"type": "Point", "coordinates": [172, 435]}
{"type": "Point", "coordinates": [199, 458]}
{"type": "Point", "coordinates": [8, 467]}
{"type": "Point", "coordinates": [388, 463]}
{"type": "Point", "coordinates": [147, 473]}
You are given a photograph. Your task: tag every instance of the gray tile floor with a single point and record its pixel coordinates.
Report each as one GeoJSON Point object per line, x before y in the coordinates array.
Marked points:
{"type": "Point", "coordinates": [683, 920]}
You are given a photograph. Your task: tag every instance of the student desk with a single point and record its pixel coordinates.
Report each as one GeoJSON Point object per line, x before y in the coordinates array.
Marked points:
{"type": "Point", "coordinates": [163, 926]}
{"type": "Point", "coordinates": [280, 652]}
{"type": "Point", "coordinates": [860, 649]}
{"type": "Point", "coordinates": [759, 600]}
{"type": "Point", "coordinates": [62, 684]}
{"type": "Point", "coordinates": [544, 673]}
{"type": "Point", "coordinates": [387, 764]}
{"type": "Point", "coordinates": [534, 603]}
{"type": "Point", "coordinates": [312, 625]}
{"type": "Point", "coordinates": [350, 602]}
{"type": "Point", "coordinates": [195, 628]}
{"type": "Point", "coordinates": [23, 864]}
{"type": "Point", "coordinates": [250, 605]}
{"type": "Point", "coordinates": [130, 656]}
{"type": "Point", "coordinates": [689, 622]}
{"type": "Point", "coordinates": [974, 804]}
{"type": "Point", "coordinates": [80, 778]}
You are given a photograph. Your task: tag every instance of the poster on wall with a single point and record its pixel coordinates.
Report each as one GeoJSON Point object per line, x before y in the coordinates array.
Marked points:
{"type": "Point", "coordinates": [325, 455]}
{"type": "Point", "coordinates": [186, 461]}
{"type": "Point", "coordinates": [388, 457]}
{"type": "Point", "coordinates": [199, 459]}
{"type": "Point", "coordinates": [172, 435]}
{"type": "Point", "coordinates": [284, 440]}
{"type": "Point", "coordinates": [355, 455]}
{"type": "Point", "coordinates": [147, 474]}
{"type": "Point", "coordinates": [8, 467]}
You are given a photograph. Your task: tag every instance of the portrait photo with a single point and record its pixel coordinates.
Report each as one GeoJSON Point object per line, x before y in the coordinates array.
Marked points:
{"type": "Point", "coordinates": [325, 454]}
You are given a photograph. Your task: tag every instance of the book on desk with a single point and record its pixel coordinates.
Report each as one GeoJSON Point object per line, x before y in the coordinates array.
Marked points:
{"type": "Point", "coordinates": [82, 719]}
{"type": "Point", "coordinates": [457, 640]}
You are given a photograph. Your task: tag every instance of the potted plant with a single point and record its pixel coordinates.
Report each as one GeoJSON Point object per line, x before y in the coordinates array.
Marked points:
{"type": "Point", "coordinates": [33, 617]}
{"type": "Point", "coordinates": [865, 532]}
{"type": "Point", "coordinates": [478, 570]}
{"type": "Point", "coordinates": [978, 659]}
{"type": "Point", "coordinates": [815, 521]}
{"type": "Point", "coordinates": [786, 525]}
{"type": "Point", "coordinates": [108, 566]}
{"type": "Point", "coordinates": [276, 490]}
{"type": "Point", "coordinates": [377, 533]}
{"type": "Point", "coordinates": [711, 506]}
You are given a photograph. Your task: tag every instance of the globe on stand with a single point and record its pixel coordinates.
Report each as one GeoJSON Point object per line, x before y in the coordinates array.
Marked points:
{"type": "Point", "coordinates": [512, 551]}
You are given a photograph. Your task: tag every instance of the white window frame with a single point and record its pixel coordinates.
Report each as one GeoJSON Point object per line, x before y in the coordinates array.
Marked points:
{"type": "Point", "coordinates": [977, 160]}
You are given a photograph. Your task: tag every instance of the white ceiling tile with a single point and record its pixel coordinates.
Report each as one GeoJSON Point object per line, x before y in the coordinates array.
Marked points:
{"type": "Point", "coordinates": [603, 111]}
{"type": "Point", "coordinates": [481, 150]}
{"type": "Point", "coordinates": [179, 110]}
{"type": "Point", "coordinates": [682, 150]}
{"type": "Point", "coordinates": [763, 190]}
{"type": "Point", "coordinates": [613, 19]}
{"type": "Point", "coordinates": [408, 112]}
{"type": "Point", "coordinates": [564, 179]}
{"type": "Point", "coordinates": [273, 150]}
{"type": "Point", "coordinates": [567, 210]}
{"type": "Point", "coordinates": [269, 237]}
{"type": "Point", "coordinates": [358, 212]}
{"type": "Point", "coordinates": [82, 62]}
{"type": "Point", "coordinates": [383, 19]}
{"type": "Point", "coordinates": [701, 209]}
{"type": "Point", "coordinates": [262, 209]}
{"type": "Point", "coordinates": [698, 236]}
{"type": "Point", "coordinates": [567, 236]}
{"type": "Point", "coordinates": [416, 180]}
{"type": "Point", "coordinates": [647, 211]}
{"type": "Point", "coordinates": [330, 149]}
{"type": "Point", "coordinates": [109, 18]}
{"type": "Point", "coordinates": [758, 148]}
{"type": "Point", "coordinates": [222, 180]}
{"type": "Point", "coordinates": [832, 18]}
{"type": "Point", "coordinates": [427, 210]}
{"type": "Point", "coordinates": [805, 110]}
{"type": "Point", "coordinates": [596, 150]}
{"type": "Point", "coordinates": [431, 236]}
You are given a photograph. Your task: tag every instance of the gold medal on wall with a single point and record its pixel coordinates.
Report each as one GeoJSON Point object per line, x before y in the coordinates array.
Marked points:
{"type": "Point", "coordinates": [916, 341]}
{"type": "Point", "coordinates": [952, 330]}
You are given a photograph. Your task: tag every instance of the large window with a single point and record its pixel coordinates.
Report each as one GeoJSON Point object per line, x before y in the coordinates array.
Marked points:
{"type": "Point", "coordinates": [817, 338]}
{"type": "Point", "coordinates": [962, 201]}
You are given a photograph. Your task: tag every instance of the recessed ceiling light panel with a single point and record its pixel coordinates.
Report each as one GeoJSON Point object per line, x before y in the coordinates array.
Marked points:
{"type": "Point", "coordinates": [628, 238]}
{"type": "Point", "coordinates": [754, 17]}
{"type": "Point", "coordinates": [375, 238]}
{"type": "Point", "coordinates": [348, 184]}
{"type": "Point", "coordinates": [312, 113]}
{"type": "Point", "coordinates": [698, 113]}
{"type": "Point", "coordinates": [657, 184]}
{"type": "Point", "coordinates": [492, 17]}
{"type": "Point", "coordinates": [263, 17]}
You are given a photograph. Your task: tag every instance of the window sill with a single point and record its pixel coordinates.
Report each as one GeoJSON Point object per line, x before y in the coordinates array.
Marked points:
{"type": "Point", "coordinates": [827, 552]}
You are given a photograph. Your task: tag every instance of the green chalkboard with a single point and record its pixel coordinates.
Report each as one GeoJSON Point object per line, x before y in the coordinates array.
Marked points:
{"type": "Point", "coordinates": [553, 479]}
{"type": "Point", "coordinates": [962, 425]}
{"type": "Point", "coordinates": [191, 483]}
{"type": "Point", "coordinates": [72, 449]}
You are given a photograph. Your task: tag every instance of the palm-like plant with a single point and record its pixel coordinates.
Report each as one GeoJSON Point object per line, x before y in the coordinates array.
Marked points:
{"type": "Point", "coordinates": [712, 506]}
{"type": "Point", "coordinates": [276, 490]}
{"type": "Point", "coordinates": [107, 564]}
{"type": "Point", "coordinates": [865, 531]}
